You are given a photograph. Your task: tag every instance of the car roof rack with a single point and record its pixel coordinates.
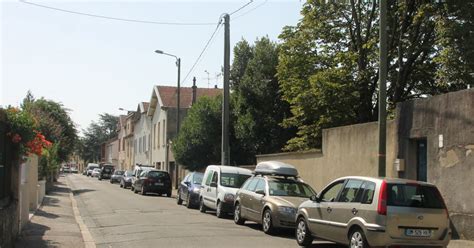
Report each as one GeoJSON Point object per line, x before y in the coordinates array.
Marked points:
{"type": "Point", "coordinates": [276, 168]}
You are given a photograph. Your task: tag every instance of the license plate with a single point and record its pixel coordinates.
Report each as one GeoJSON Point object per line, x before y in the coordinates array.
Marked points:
{"type": "Point", "coordinates": [418, 232]}
{"type": "Point", "coordinates": [158, 184]}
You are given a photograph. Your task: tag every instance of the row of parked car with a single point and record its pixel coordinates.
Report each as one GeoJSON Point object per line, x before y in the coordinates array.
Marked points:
{"type": "Point", "coordinates": [356, 211]}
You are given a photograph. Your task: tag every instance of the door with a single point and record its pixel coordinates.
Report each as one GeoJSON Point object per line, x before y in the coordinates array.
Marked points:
{"type": "Point", "coordinates": [256, 204]}
{"type": "Point", "coordinates": [344, 209]}
{"type": "Point", "coordinates": [183, 191]}
{"type": "Point", "coordinates": [319, 216]}
{"type": "Point", "coordinates": [205, 192]}
{"type": "Point", "coordinates": [421, 160]}
{"type": "Point", "coordinates": [245, 198]}
{"type": "Point", "coordinates": [210, 198]}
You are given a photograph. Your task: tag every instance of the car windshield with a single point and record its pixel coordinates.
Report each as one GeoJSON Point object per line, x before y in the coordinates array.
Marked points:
{"type": "Point", "coordinates": [158, 174]}
{"type": "Point", "coordinates": [128, 173]}
{"type": "Point", "coordinates": [197, 178]}
{"type": "Point", "coordinates": [414, 195]}
{"type": "Point", "coordinates": [233, 180]}
{"type": "Point", "coordinates": [96, 169]}
{"type": "Point", "coordinates": [107, 170]}
{"type": "Point", "coordinates": [119, 172]}
{"type": "Point", "coordinates": [285, 187]}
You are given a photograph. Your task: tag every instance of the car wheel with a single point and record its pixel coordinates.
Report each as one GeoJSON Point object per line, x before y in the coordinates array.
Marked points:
{"type": "Point", "coordinates": [302, 233]}
{"type": "Point", "coordinates": [188, 201]}
{"type": "Point", "coordinates": [237, 215]}
{"type": "Point", "coordinates": [267, 225]}
{"type": "Point", "coordinates": [143, 191]}
{"type": "Point", "coordinates": [219, 212]}
{"type": "Point", "coordinates": [357, 239]}
{"type": "Point", "coordinates": [202, 207]}
{"type": "Point", "coordinates": [179, 201]}
{"type": "Point", "coordinates": [121, 185]}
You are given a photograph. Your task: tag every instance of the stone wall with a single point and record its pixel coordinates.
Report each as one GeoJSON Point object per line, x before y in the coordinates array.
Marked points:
{"type": "Point", "coordinates": [349, 150]}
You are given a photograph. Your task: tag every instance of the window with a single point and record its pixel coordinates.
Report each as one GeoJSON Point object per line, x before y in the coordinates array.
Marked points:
{"type": "Point", "coordinates": [214, 177]}
{"type": "Point", "coordinates": [251, 184]}
{"type": "Point", "coordinates": [186, 179]}
{"type": "Point", "coordinates": [366, 193]}
{"type": "Point", "coordinates": [149, 142]}
{"type": "Point", "coordinates": [260, 185]}
{"type": "Point", "coordinates": [414, 195]}
{"type": "Point", "coordinates": [288, 187]}
{"type": "Point", "coordinates": [197, 178]}
{"type": "Point", "coordinates": [158, 131]}
{"type": "Point", "coordinates": [209, 177]}
{"type": "Point", "coordinates": [164, 133]}
{"type": "Point", "coordinates": [330, 193]}
{"type": "Point", "coordinates": [233, 180]}
{"type": "Point", "coordinates": [154, 136]}
{"type": "Point", "coordinates": [349, 192]}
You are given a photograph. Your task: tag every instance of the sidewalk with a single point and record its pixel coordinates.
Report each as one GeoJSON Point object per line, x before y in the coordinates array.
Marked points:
{"type": "Point", "coordinates": [53, 224]}
{"type": "Point", "coordinates": [461, 244]}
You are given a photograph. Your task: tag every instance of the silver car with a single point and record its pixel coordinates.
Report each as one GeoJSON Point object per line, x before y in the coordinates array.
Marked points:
{"type": "Point", "coordinates": [365, 212]}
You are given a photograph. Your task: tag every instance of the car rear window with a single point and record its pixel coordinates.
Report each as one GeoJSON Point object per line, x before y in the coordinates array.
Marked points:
{"type": "Point", "coordinates": [158, 174]}
{"type": "Point", "coordinates": [197, 178]}
{"type": "Point", "coordinates": [414, 195]}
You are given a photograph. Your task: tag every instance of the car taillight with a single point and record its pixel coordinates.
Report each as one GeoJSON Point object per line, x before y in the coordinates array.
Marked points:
{"type": "Point", "coordinates": [441, 199]}
{"type": "Point", "coordinates": [382, 206]}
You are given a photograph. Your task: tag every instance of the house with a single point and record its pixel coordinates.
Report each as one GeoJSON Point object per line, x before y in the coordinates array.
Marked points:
{"type": "Point", "coordinates": [163, 116]}
{"type": "Point", "coordinates": [111, 152]}
{"type": "Point", "coordinates": [121, 133]}
{"type": "Point", "coordinates": [128, 141]}
{"type": "Point", "coordinates": [141, 135]}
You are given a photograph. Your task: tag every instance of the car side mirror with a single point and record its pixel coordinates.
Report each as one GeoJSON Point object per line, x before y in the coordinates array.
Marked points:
{"type": "Point", "coordinates": [260, 192]}
{"type": "Point", "coordinates": [315, 198]}
{"type": "Point", "coordinates": [187, 183]}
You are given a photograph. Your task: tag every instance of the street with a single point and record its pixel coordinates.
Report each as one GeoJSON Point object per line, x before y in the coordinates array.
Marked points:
{"type": "Point", "coordinates": [119, 218]}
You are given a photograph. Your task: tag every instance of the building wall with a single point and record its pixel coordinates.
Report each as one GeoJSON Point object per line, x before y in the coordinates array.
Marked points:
{"type": "Point", "coordinates": [112, 153]}
{"type": "Point", "coordinates": [159, 138]}
{"type": "Point", "coordinates": [447, 123]}
{"type": "Point", "coordinates": [129, 143]}
{"type": "Point", "coordinates": [141, 136]}
{"type": "Point", "coordinates": [121, 146]}
{"type": "Point", "coordinates": [348, 150]}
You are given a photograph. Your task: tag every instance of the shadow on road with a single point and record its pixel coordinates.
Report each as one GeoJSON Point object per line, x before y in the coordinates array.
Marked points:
{"type": "Point", "coordinates": [81, 191]}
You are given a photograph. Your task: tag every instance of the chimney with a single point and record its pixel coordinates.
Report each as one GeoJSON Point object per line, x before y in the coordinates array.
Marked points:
{"type": "Point", "coordinates": [215, 86]}
{"type": "Point", "coordinates": [194, 90]}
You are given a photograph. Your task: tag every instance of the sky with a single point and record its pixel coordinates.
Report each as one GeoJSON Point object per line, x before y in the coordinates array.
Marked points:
{"type": "Point", "coordinates": [94, 65]}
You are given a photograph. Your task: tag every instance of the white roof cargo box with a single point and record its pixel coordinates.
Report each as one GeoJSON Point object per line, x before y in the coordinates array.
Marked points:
{"type": "Point", "coordinates": [276, 168]}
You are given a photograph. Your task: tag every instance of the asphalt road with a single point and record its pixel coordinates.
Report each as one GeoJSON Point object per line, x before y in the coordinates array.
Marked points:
{"type": "Point", "coordinates": [119, 218]}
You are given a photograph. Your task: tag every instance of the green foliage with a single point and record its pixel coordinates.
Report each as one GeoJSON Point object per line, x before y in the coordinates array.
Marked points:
{"type": "Point", "coordinates": [96, 134]}
{"type": "Point", "coordinates": [54, 122]}
{"type": "Point", "coordinates": [21, 128]}
{"type": "Point", "coordinates": [198, 143]}
{"type": "Point", "coordinates": [328, 62]}
{"type": "Point", "coordinates": [259, 109]}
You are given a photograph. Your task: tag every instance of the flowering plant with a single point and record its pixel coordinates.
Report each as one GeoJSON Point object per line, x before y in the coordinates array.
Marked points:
{"type": "Point", "coordinates": [23, 132]}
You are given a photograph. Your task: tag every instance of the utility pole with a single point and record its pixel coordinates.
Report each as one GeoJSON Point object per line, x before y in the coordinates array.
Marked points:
{"type": "Point", "coordinates": [225, 157]}
{"type": "Point", "coordinates": [382, 87]}
{"type": "Point", "coordinates": [178, 64]}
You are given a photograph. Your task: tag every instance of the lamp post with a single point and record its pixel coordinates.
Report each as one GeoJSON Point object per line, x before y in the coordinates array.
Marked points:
{"type": "Point", "coordinates": [178, 64]}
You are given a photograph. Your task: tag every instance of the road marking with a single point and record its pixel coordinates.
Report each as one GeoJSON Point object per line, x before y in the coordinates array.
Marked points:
{"type": "Point", "coordinates": [86, 235]}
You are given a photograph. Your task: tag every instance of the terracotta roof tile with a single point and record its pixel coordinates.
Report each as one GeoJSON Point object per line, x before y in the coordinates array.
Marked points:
{"type": "Point", "coordinates": [168, 95]}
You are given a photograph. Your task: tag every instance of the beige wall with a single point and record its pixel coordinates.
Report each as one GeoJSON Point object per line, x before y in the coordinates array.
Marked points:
{"type": "Point", "coordinates": [32, 164]}
{"type": "Point", "coordinates": [348, 150]}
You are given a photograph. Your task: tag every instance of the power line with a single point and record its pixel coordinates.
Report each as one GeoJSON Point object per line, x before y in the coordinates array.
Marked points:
{"type": "Point", "coordinates": [204, 49]}
{"type": "Point", "coordinates": [118, 18]}
{"type": "Point", "coordinates": [250, 10]}
{"type": "Point", "coordinates": [243, 6]}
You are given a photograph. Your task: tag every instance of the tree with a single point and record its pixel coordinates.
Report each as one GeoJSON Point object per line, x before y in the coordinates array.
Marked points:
{"type": "Point", "coordinates": [95, 135]}
{"type": "Point", "coordinates": [258, 109]}
{"type": "Point", "coordinates": [54, 122]}
{"type": "Point", "coordinates": [328, 64]}
{"type": "Point", "coordinates": [198, 142]}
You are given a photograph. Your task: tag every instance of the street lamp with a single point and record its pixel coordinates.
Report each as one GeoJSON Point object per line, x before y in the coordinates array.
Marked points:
{"type": "Point", "coordinates": [178, 64]}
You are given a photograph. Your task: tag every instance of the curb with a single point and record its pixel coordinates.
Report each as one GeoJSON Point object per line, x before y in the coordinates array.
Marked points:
{"type": "Point", "coordinates": [86, 235]}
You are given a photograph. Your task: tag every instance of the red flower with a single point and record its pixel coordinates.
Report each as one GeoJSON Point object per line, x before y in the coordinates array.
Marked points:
{"type": "Point", "coordinates": [16, 138]}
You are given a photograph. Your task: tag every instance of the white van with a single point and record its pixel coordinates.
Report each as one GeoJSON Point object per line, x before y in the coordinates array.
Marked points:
{"type": "Point", "coordinates": [219, 186]}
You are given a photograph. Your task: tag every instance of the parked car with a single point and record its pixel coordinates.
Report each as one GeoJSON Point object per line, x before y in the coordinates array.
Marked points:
{"type": "Point", "coordinates": [106, 171]}
{"type": "Point", "coordinates": [189, 189]}
{"type": "Point", "coordinates": [74, 170]}
{"type": "Point", "coordinates": [220, 185]}
{"type": "Point", "coordinates": [365, 211]}
{"type": "Point", "coordinates": [95, 172]}
{"type": "Point", "coordinates": [126, 180]}
{"type": "Point", "coordinates": [90, 168]}
{"type": "Point", "coordinates": [117, 176]}
{"type": "Point", "coordinates": [153, 181]}
{"type": "Point", "coordinates": [137, 171]}
{"type": "Point", "coordinates": [271, 197]}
